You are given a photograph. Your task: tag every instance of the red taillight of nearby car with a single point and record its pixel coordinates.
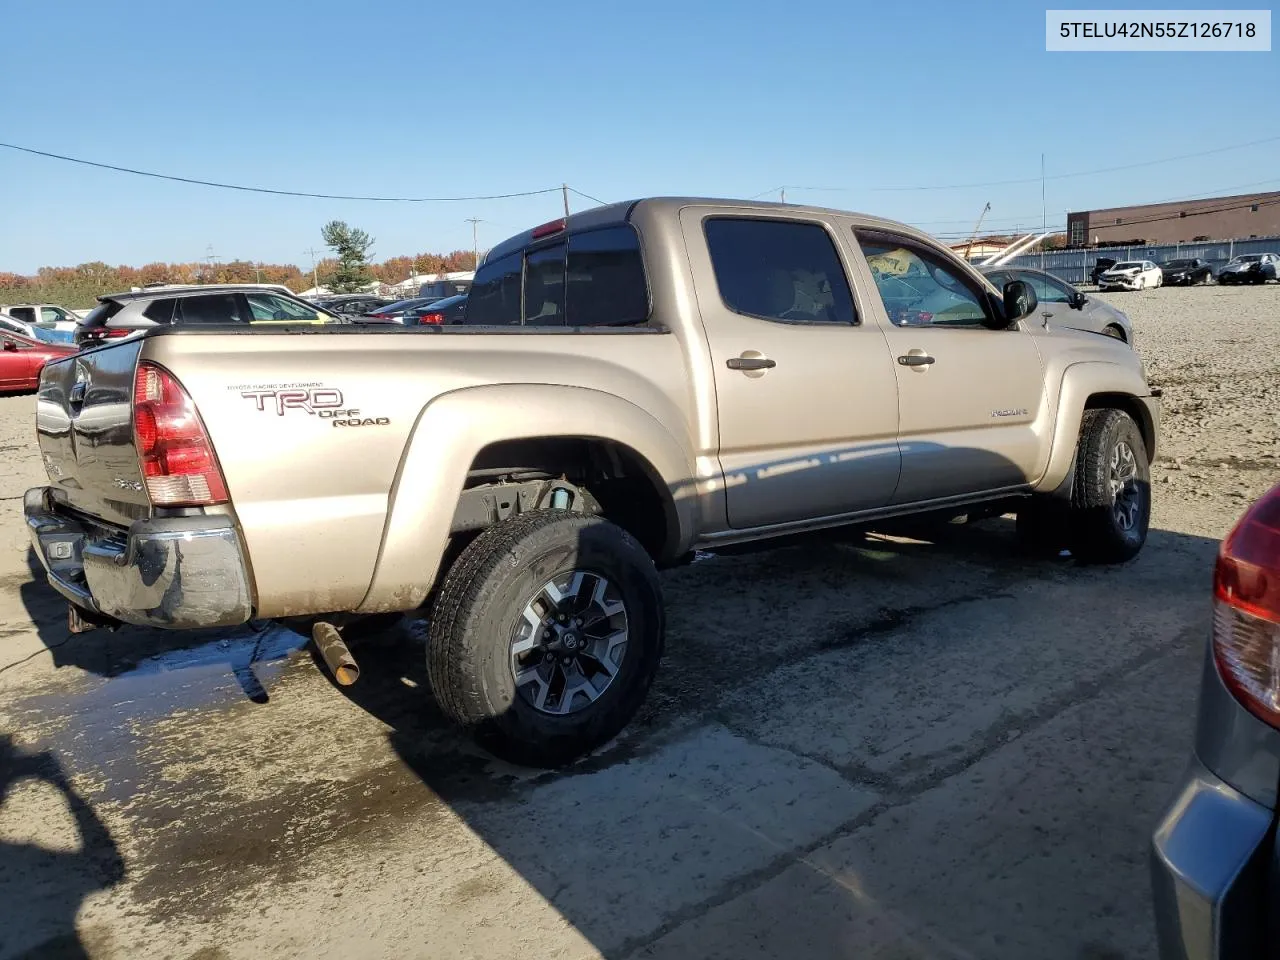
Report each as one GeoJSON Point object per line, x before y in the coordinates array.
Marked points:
{"type": "Point", "coordinates": [1246, 616]}
{"type": "Point", "coordinates": [178, 463]}
{"type": "Point", "coordinates": [431, 318]}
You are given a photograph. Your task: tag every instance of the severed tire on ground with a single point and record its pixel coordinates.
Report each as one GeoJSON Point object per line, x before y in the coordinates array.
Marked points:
{"type": "Point", "coordinates": [1111, 497]}
{"type": "Point", "coordinates": [546, 635]}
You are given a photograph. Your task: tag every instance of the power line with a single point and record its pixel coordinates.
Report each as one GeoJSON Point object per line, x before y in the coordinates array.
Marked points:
{"type": "Point", "coordinates": [1085, 173]}
{"type": "Point", "coordinates": [281, 193]}
{"type": "Point", "coordinates": [587, 196]}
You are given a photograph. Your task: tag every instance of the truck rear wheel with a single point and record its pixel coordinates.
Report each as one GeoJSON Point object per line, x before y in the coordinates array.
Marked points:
{"type": "Point", "coordinates": [1111, 496]}
{"type": "Point", "coordinates": [546, 635]}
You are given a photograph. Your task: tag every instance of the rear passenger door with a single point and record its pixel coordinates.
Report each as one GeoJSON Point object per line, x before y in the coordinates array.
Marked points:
{"type": "Point", "coordinates": [806, 395]}
{"type": "Point", "coordinates": [968, 397]}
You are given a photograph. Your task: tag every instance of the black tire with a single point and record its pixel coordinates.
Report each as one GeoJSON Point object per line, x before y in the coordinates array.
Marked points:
{"type": "Point", "coordinates": [480, 605]}
{"type": "Point", "coordinates": [1098, 534]}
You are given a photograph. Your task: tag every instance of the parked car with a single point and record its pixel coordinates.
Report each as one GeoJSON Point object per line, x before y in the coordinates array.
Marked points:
{"type": "Point", "coordinates": [450, 310]}
{"type": "Point", "coordinates": [1130, 275]}
{"type": "Point", "coordinates": [1250, 268]}
{"type": "Point", "coordinates": [607, 408]}
{"type": "Point", "coordinates": [21, 359]}
{"type": "Point", "coordinates": [1100, 266]}
{"type": "Point", "coordinates": [1186, 271]}
{"type": "Point", "coordinates": [353, 304]}
{"type": "Point", "coordinates": [43, 321]}
{"type": "Point", "coordinates": [395, 312]}
{"type": "Point", "coordinates": [1214, 850]}
{"type": "Point", "coordinates": [120, 314]}
{"type": "Point", "coordinates": [1060, 302]}
{"type": "Point", "coordinates": [441, 289]}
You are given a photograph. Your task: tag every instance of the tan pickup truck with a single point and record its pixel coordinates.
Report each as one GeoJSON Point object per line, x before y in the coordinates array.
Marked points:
{"type": "Point", "coordinates": [637, 382]}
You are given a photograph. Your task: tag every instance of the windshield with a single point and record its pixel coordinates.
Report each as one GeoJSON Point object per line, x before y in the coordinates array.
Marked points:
{"type": "Point", "coordinates": [1177, 263]}
{"type": "Point", "coordinates": [1128, 265]}
{"type": "Point", "coordinates": [401, 305]}
{"type": "Point", "coordinates": [1251, 258]}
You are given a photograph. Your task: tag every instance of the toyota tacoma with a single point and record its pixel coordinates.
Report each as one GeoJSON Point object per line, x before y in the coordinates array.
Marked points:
{"type": "Point", "coordinates": [634, 383]}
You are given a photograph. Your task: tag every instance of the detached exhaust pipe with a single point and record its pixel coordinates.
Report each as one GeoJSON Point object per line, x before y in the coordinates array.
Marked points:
{"type": "Point", "coordinates": [336, 656]}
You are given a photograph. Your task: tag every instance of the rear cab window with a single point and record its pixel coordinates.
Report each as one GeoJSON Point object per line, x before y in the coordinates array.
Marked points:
{"type": "Point", "coordinates": [589, 278]}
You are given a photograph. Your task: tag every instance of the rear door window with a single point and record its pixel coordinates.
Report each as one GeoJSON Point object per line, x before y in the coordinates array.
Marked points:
{"type": "Point", "coordinates": [25, 314]}
{"type": "Point", "coordinates": [605, 282]}
{"type": "Point", "coordinates": [209, 309]}
{"type": "Point", "coordinates": [495, 293]}
{"type": "Point", "coordinates": [781, 270]}
{"type": "Point", "coordinates": [266, 306]}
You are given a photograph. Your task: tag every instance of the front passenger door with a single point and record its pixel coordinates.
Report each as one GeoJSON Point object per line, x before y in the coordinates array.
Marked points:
{"type": "Point", "coordinates": [970, 398]}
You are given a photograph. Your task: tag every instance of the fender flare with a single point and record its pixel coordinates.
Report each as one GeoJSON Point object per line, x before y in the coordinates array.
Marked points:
{"type": "Point", "coordinates": [455, 426]}
{"type": "Point", "coordinates": [1080, 382]}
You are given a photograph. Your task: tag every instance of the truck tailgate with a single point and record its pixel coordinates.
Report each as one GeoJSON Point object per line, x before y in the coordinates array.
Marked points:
{"type": "Point", "coordinates": [84, 423]}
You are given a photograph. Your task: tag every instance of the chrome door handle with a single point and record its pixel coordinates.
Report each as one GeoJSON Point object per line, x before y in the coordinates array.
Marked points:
{"type": "Point", "coordinates": [915, 360]}
{"type": "Point", "coordinates": [750, 363]}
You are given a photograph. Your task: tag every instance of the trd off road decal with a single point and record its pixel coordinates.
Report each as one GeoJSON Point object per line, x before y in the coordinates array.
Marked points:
{"type": "Point", "coordinates": [319, 401]}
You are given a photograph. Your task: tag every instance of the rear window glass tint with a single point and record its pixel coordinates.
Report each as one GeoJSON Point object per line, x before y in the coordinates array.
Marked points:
{"type": "Point", "coordinates": [211, 308]}
{"type": "Point", "coordinates": [605, 282]}
{"type": "Point", "coordinates": [161, 311]}
{"type": "Point", "coordinates": [495, 293]}
{"type": "Point", "coordinates": [544, 287]}
{"type": "Point", "coordinates": [781, 270]}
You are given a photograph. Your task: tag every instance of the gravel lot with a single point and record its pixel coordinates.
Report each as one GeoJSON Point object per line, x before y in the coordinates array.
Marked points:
{"type": "Point", "coordinates": [892, 748]}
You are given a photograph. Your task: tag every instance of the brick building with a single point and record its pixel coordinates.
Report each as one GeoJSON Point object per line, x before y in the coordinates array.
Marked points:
{"type": "Point", "coordinates": [1217, 218]}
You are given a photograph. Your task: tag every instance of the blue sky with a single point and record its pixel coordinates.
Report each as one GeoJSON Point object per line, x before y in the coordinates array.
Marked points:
{"type": "Point", "coordinates": [392, 97]}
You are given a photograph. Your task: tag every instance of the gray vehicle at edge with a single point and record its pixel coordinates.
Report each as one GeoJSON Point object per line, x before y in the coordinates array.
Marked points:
{"type": "Point", "coordinates": [1061, 303]}
{"type": "Point", "coordinates": [1215, 860]}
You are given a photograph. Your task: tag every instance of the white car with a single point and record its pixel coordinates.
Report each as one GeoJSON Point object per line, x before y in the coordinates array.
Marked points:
{"type": "Point", "coordinates": [1131, 275]}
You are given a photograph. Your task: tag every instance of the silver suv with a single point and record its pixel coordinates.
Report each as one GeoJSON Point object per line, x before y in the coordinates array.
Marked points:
{"type": "Point", "coordinates": [120, 314]}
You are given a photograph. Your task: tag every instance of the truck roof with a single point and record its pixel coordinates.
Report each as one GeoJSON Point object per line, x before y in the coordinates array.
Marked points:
{"type": "Point", "coordinates": [623, 212]}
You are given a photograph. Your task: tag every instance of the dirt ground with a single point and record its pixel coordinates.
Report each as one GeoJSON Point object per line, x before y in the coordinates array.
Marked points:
{"type": "Point", "coordinates": [895, 748]}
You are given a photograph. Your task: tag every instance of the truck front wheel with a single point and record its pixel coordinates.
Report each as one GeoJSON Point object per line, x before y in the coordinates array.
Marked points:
{"type": "Point", "coordinates": [1111, 497]}
{"type": "Point", "coordinates": [546, 635]}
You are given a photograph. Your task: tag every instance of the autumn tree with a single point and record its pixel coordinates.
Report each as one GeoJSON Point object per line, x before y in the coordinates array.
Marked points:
{"type": "Point", "coordinates": [351, 245]}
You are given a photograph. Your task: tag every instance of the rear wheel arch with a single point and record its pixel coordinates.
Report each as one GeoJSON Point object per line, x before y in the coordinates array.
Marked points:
{"type": "Point", "coordinates": [441, 457]}
{"type": "Point", "coordinates": [627, 487]}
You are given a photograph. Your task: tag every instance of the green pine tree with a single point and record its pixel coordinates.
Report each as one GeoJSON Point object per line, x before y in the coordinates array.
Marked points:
{"type": "Point", "coordinates": [352, 248]}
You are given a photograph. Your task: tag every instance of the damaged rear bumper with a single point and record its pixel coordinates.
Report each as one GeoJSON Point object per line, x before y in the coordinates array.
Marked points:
{"type": "Point", "coordinates": [172, 572]}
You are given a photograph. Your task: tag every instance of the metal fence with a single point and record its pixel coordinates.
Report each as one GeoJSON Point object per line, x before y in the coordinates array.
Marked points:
{"type": "Point", "coordinates": [1076, 266]}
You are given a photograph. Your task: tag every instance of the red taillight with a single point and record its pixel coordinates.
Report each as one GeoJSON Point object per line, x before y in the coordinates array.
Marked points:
{"type": "Point", "coordinates": [178, 464]}
{"type": "Point", "coordinates": [1246, 616]}
{"type": "Point", "coordinates": [431, 318]}
{"type": "Point", "coordinates": [546, 229]}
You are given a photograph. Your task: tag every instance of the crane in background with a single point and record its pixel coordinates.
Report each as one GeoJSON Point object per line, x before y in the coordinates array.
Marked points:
{"type": "Point", "coordinates": [976, 227]}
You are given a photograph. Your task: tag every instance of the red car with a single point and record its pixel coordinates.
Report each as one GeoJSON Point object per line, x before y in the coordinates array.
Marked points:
{"type": "Point", "coordinates": [21, 359]}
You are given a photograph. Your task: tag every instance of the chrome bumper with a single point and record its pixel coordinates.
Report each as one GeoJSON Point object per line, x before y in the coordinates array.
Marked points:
{"type": "Point", "coordinates": [1208, 859]}
{"type": "Point", "coordinates": [175, 572]}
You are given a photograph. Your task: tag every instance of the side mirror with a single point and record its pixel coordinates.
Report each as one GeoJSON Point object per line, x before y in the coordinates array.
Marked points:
{"type": "Point", "coordinates": [10, 347]}
{"type": "Point", "coordinates": [1080, 300]}
{"type": "Point", "coordinates": [1019, 300]}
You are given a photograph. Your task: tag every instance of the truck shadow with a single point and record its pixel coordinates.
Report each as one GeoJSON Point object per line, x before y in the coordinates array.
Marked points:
{"type": "Point", "coordinates": [702, 803]}
{"type": "Point", "coordinates": [42, 889]}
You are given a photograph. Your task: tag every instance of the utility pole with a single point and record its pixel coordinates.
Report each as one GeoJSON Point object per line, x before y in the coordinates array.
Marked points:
{"type": "Point", "coordinates": [257, 266]}
{"type": "Point", "coordinates": [475, 236]}
{"type": "Point", "coordinates": [564, 189]}
{"type": "Point", "coordinates": [212, 259]}
{"type": "Point", "coordinates": [782, 194]}
{"type": "Point", "coordinates": [315, 282]}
